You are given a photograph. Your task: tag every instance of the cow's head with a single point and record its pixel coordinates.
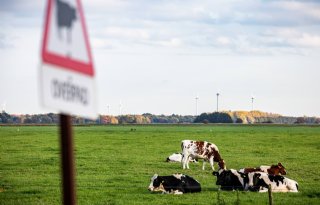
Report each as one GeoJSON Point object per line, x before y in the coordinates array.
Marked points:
{"type": "Point", "coordinates": [222, 164]}
{"type": "Point", "coordinates": [156, 184]}
{"type": "Point", "coordinates": [282, 169]}
{"type": "Point", "coordinates": [222, 176]}
{"type": "Point", "coordinates": [277, 169]}
{"type": "Point", "coordinates": [229, 179]}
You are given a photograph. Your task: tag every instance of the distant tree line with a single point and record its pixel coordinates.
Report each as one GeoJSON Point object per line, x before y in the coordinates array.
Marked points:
{"type": "Point", "coordinates": [169, 118]}
{"type": "Point", "coordinates": [216, 117]}
{"type": "Point", "coordinates": [147, 118]}
{"type": "Point", "coordinates": [52, 118]}
{"type": "Point", "coordinates": [242, 117]}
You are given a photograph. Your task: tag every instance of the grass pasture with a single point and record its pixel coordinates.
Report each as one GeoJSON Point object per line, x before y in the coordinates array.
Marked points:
{"type": "Point", "coordinates": [114, 164]}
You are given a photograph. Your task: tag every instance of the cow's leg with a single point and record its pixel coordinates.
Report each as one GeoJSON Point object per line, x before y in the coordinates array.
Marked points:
{"type": "Point", "coordinates": [182, 162]}
{"type": "Point", "coordinates": [203, 164]}
{"type": "Point", "coordinates": [211, 162]}
{"type": "Point", "coordinates": [185, 160]}
{"type": "Point", "coordinates": [177, 192]}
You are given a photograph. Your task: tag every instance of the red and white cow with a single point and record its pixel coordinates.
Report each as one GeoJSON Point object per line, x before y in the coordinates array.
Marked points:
{"type": "Point", "coordinates": [201, 150]}
{"type": "Point", "coordinates": [259, 181]}
{"type": "Point", "coordinates": [278, 169]}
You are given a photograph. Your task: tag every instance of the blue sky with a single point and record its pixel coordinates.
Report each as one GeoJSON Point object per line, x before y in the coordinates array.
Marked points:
{"type": "Point", "coordinates": [157, 56]}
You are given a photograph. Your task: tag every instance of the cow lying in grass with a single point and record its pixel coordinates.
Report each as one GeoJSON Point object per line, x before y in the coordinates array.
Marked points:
{"type": "Point", "coordinates": [177, 157]}
{"type": "Point", "coordinates": [231, 179]}
{"type": "Point", "coordinates": [254, 181]}
{"type": "Point", "coordinates": [201, 150]}
{"type": "Point", "coordinates": [259, 181]}
{"type": "Point", "coordinates": [174, 184]}
{"type": "Point", "coordinates": [278, 169]}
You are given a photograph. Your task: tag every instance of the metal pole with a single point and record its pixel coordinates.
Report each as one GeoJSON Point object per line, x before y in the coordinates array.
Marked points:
{"type": "Point", "coordinates": [67, 160]}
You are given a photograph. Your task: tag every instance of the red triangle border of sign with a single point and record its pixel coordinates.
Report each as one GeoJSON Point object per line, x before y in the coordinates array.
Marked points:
{"type": "Point", "coordinates": [63, 61]}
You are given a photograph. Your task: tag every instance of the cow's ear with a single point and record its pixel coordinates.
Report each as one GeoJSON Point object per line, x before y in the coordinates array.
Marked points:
{"type": "Point", "coordinates": [215, 173]}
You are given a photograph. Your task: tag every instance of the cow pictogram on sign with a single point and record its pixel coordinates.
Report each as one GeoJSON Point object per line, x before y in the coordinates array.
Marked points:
{"type": "Point", "coordinates": [66, 15]}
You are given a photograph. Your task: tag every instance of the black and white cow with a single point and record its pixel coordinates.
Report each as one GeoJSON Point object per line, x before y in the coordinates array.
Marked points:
{"type": "Point", "coordinates": [231, 179]}
{"type": "Point", "coordinates": [259, 181]}
{"type": "Point", "coordinates": [200, 150]}
{"type": "Point", "coordinates": [177, 157]}
{"type": "Point", "coordinates": [174, 184]}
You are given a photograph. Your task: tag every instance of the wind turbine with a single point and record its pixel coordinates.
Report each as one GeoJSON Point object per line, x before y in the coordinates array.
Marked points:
{"type": "Point", "coordinates": [218, 102]}
{"type": "Point", "coordinates": [197, 98]}
{"type": "Point", "coordinates": [252, 99]}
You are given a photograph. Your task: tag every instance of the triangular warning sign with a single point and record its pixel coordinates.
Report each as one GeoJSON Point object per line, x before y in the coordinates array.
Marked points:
{"type": "Point", "coordinates": [65, 41]}
{"type": "Point", "coordinates": [67, 74]}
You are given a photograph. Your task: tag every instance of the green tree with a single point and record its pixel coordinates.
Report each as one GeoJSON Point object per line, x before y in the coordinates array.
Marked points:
{"type": "Point", "coordinates": [216, 117]}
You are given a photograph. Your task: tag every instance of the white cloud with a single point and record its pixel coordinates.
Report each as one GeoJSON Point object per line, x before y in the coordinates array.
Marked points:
{"type": "Point", "coordinates": [127, 33]}
{"type": "Point", "coordinates": [223, 40]}
{"type": "Point", "coordinates": [174, 42]}
{"type": "Point", "coordinates": [307, 40]}
{"type": "Point", "coordinates": [308, 9]}
{"type": "Point", "coordinates": [291, 37]}
{"type": "Point", "coordinates": [101, 43]}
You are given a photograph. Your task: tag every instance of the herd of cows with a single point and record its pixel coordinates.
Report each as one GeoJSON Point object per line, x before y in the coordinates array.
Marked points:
{"type": "Point", "coordinates": [246, 179]}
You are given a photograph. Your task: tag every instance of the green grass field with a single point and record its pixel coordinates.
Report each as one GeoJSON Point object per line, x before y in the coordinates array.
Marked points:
{"type": "Point", "coordinates": [114, 164]}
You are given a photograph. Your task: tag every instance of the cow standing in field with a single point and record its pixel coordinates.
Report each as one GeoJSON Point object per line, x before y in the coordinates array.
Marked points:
{"type": "Point", "coordinates": [174, 184]}
{"type": "Point", "coordinates": [259, 181]}
{"type": "Point", "coordinates": [201, 150]}
{"type": "Point", "coordinates": [278, 169]}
